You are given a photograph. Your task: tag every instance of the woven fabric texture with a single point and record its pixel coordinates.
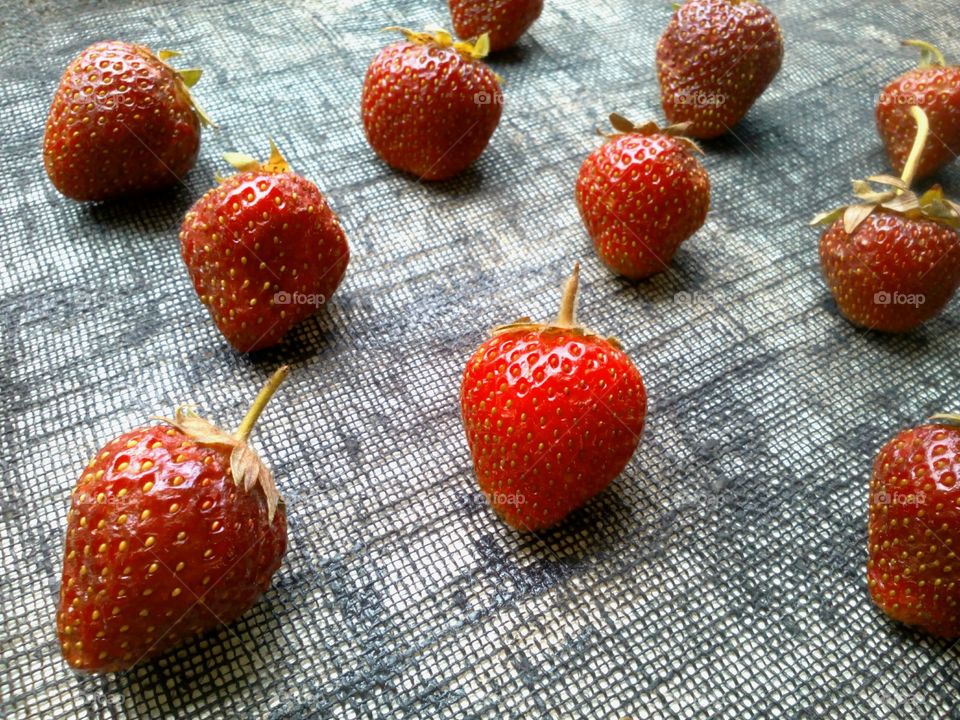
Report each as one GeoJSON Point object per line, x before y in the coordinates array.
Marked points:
{"type": "Point", "coordinates": [721, 575]}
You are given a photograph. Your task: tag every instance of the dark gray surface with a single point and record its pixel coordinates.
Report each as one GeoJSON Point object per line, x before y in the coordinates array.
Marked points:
{"type": "Point", "coordinates": [722, 573]}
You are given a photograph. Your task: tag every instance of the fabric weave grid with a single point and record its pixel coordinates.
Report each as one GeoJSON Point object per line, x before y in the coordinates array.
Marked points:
{"type": "Point", "coordinates": [721, 575]}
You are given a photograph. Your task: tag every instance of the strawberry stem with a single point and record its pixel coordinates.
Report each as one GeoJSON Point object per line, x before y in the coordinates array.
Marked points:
{"type": "Point", "coordinates": [948, 418]}
{"type": "Point", "coordinates": [263, 397]}
{"type": "Point", "coordinates": [930, 55]}
{"type": "Point", "coordinates": [567, 317]}
{"type": "Point", "coordinates": [923, 130]}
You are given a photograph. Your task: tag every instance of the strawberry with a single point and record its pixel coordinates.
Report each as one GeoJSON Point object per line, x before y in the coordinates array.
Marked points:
{"type": "Point", "coordinates": [430, 105]}
{"type": "Point", "coordinates": [935, 87]}
{"type": "Point", "coordinates": [640, 195]}
{"type": "Point", "coordinates": [914, 530]}
{"type": "Point", "coordinates": [553, 413]}
{"type": "Point", "coordinates": [892, 261]}
{"type": "Point", "coordinates": [714, 60]}
{"type": "Point", "coordinates": [173, 529]}
{"type": "Point", "coordinates": [264, 250]}
{"type": "Point", "coordinates": [504, 20]}
{"type": "Point", "coordinates": [121, 122]}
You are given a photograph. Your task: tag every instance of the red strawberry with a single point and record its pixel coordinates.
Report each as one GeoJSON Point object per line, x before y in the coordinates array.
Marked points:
{"type": "Point", "coordinates": [892, 261]}
{"type": "Point", "coordinates": [122, 121]}
{"type": "Point", "coordinates": [640, 195]}
{"type": "Point", "coordinates": [935, 87]}
{"type": "Point", "coordinates": [552, 413]}
{"type": "Point", "coordinates": [173, 529]}
{"type": "Point", "coordinates": [914, 532]}
{"type": "Point", "coordinates": [430, 105]}
{"type": "Point", "coordinates": [714, 60]}
{"type": "Point", "coordinates": [504, 20]}
{"type": "Point", "coordinates": [264, 250]}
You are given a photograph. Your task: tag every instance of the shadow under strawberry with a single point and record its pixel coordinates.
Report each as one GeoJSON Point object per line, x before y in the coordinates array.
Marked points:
{"type": "Point", "coordinates": [687, 273]}
{"type": "Point", "coordinates": [526, 51]}
{"type": "Point", "coordinates": [311, 338]}
{"type": "Point", "coordinates": [468, 183]}
{"type": "Point", "coordinates": [534, 563]}
{"type": "Point", "coordinates": [177, 678]}
{"type": "Point", "coordinates": [162, 208]}
{"type": "Point", "coordinates": [756, 134]}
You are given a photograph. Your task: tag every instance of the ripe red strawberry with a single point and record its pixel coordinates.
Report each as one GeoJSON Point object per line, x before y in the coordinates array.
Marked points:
{"type": "Point", "coordinates": [504, 20]}
{"type": "Point", "coordinates": [892, 261]}
{"type": "Point", "coordinates": [913, 571]}
{"type": "Point", "coordinates": [173, 529]}
{"type": "Point", "coordinates": [714, 60]}
{"type": "Point", "coordinates": [122, 121]}
{"type": "Point", "coordinates": [430, 105]}
{"type": "Point", "coordinates": [640, 195]}
{"type": "Point", "coordinates": [552, 413]}
{"type": "Point", "coordinates": [264, 250]}
{"type": "Point", "coordinates": [935, 87]}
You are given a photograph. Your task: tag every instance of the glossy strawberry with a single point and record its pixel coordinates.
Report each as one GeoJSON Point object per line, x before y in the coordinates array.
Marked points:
{"type": "Point", "coordinates": [552, 414]}
{"type": "Point", "coordinates": [504, 20]}
{"type": "Point", "coordinates": [913, 571]}
{"type": "Point", "coordinates": [430, 105]}
{"type": "Point", "coordinates": [121, 122]}
{"type": "Point", "coordinates": [935, 87]}
{"type": "Point", "coordinates": [892, 261]}
{"type": "Point", "coordinates": [173, 529]}
{"type": "Point", "coordinates": [641, 194]}
{"type": "Point", "coordinates": [714, 60]}
{"type": "Point", "coordinates": [264, 251]}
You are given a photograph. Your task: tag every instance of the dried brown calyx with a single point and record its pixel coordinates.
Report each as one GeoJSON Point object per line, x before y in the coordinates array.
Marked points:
{"type": "Point", "coordinates": [246, 467]}
{"type": "Point", "coordinates": [566, 320]}
{"type": "Point", "coordinates": [897, 197]}
{"type": "Point", "coordinates": [475, 49]}
{"type": "Point", "coordinates": [245, 163]}
{"type": "Point", "coordinates": [623, 126]}
{"type": "Point", "coordinates": [189, 77]}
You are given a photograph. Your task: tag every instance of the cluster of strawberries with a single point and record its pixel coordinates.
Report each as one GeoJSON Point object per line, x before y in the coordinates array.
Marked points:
{"type": "Point", "coordinates": [177, 527]}
{"type": "Point", "coordinates": [892, 262]}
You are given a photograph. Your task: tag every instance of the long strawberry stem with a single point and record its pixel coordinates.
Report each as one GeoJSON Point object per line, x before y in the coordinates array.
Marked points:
{"type": "Point", "coordinates": [567, 317]}
{"type": "Point", "coordinates": [949, 418]}
{"type": "Point", "coordinates": [260, 402]}
{"type": "Point", "coordinates": [929, 54]}
{"type": "Point", "coordinates": [919, 142]}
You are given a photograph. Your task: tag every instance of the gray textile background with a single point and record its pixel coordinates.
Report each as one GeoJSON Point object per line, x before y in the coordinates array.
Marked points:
{"type": "Point", "coordinates": [721, 575]}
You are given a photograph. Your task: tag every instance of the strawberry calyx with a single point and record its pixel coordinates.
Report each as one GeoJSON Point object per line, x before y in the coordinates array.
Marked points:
{"type": "Point", "coordinates": [566, 320]}
{"type": "Point", "coordinates": [898, 197]}
{"type": "Point", "coordinates": [930, 55]}
{"type": "Point", "coordinates": [188, 78]}
{"type": "Point", "coordinates": [475, 49]}
{"type": "Point", "coordinates": [276, 163]}
{"type": "Point", "coordinates": [622, 126]}
{"type": "Point", "coordinates": [246, 467]}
